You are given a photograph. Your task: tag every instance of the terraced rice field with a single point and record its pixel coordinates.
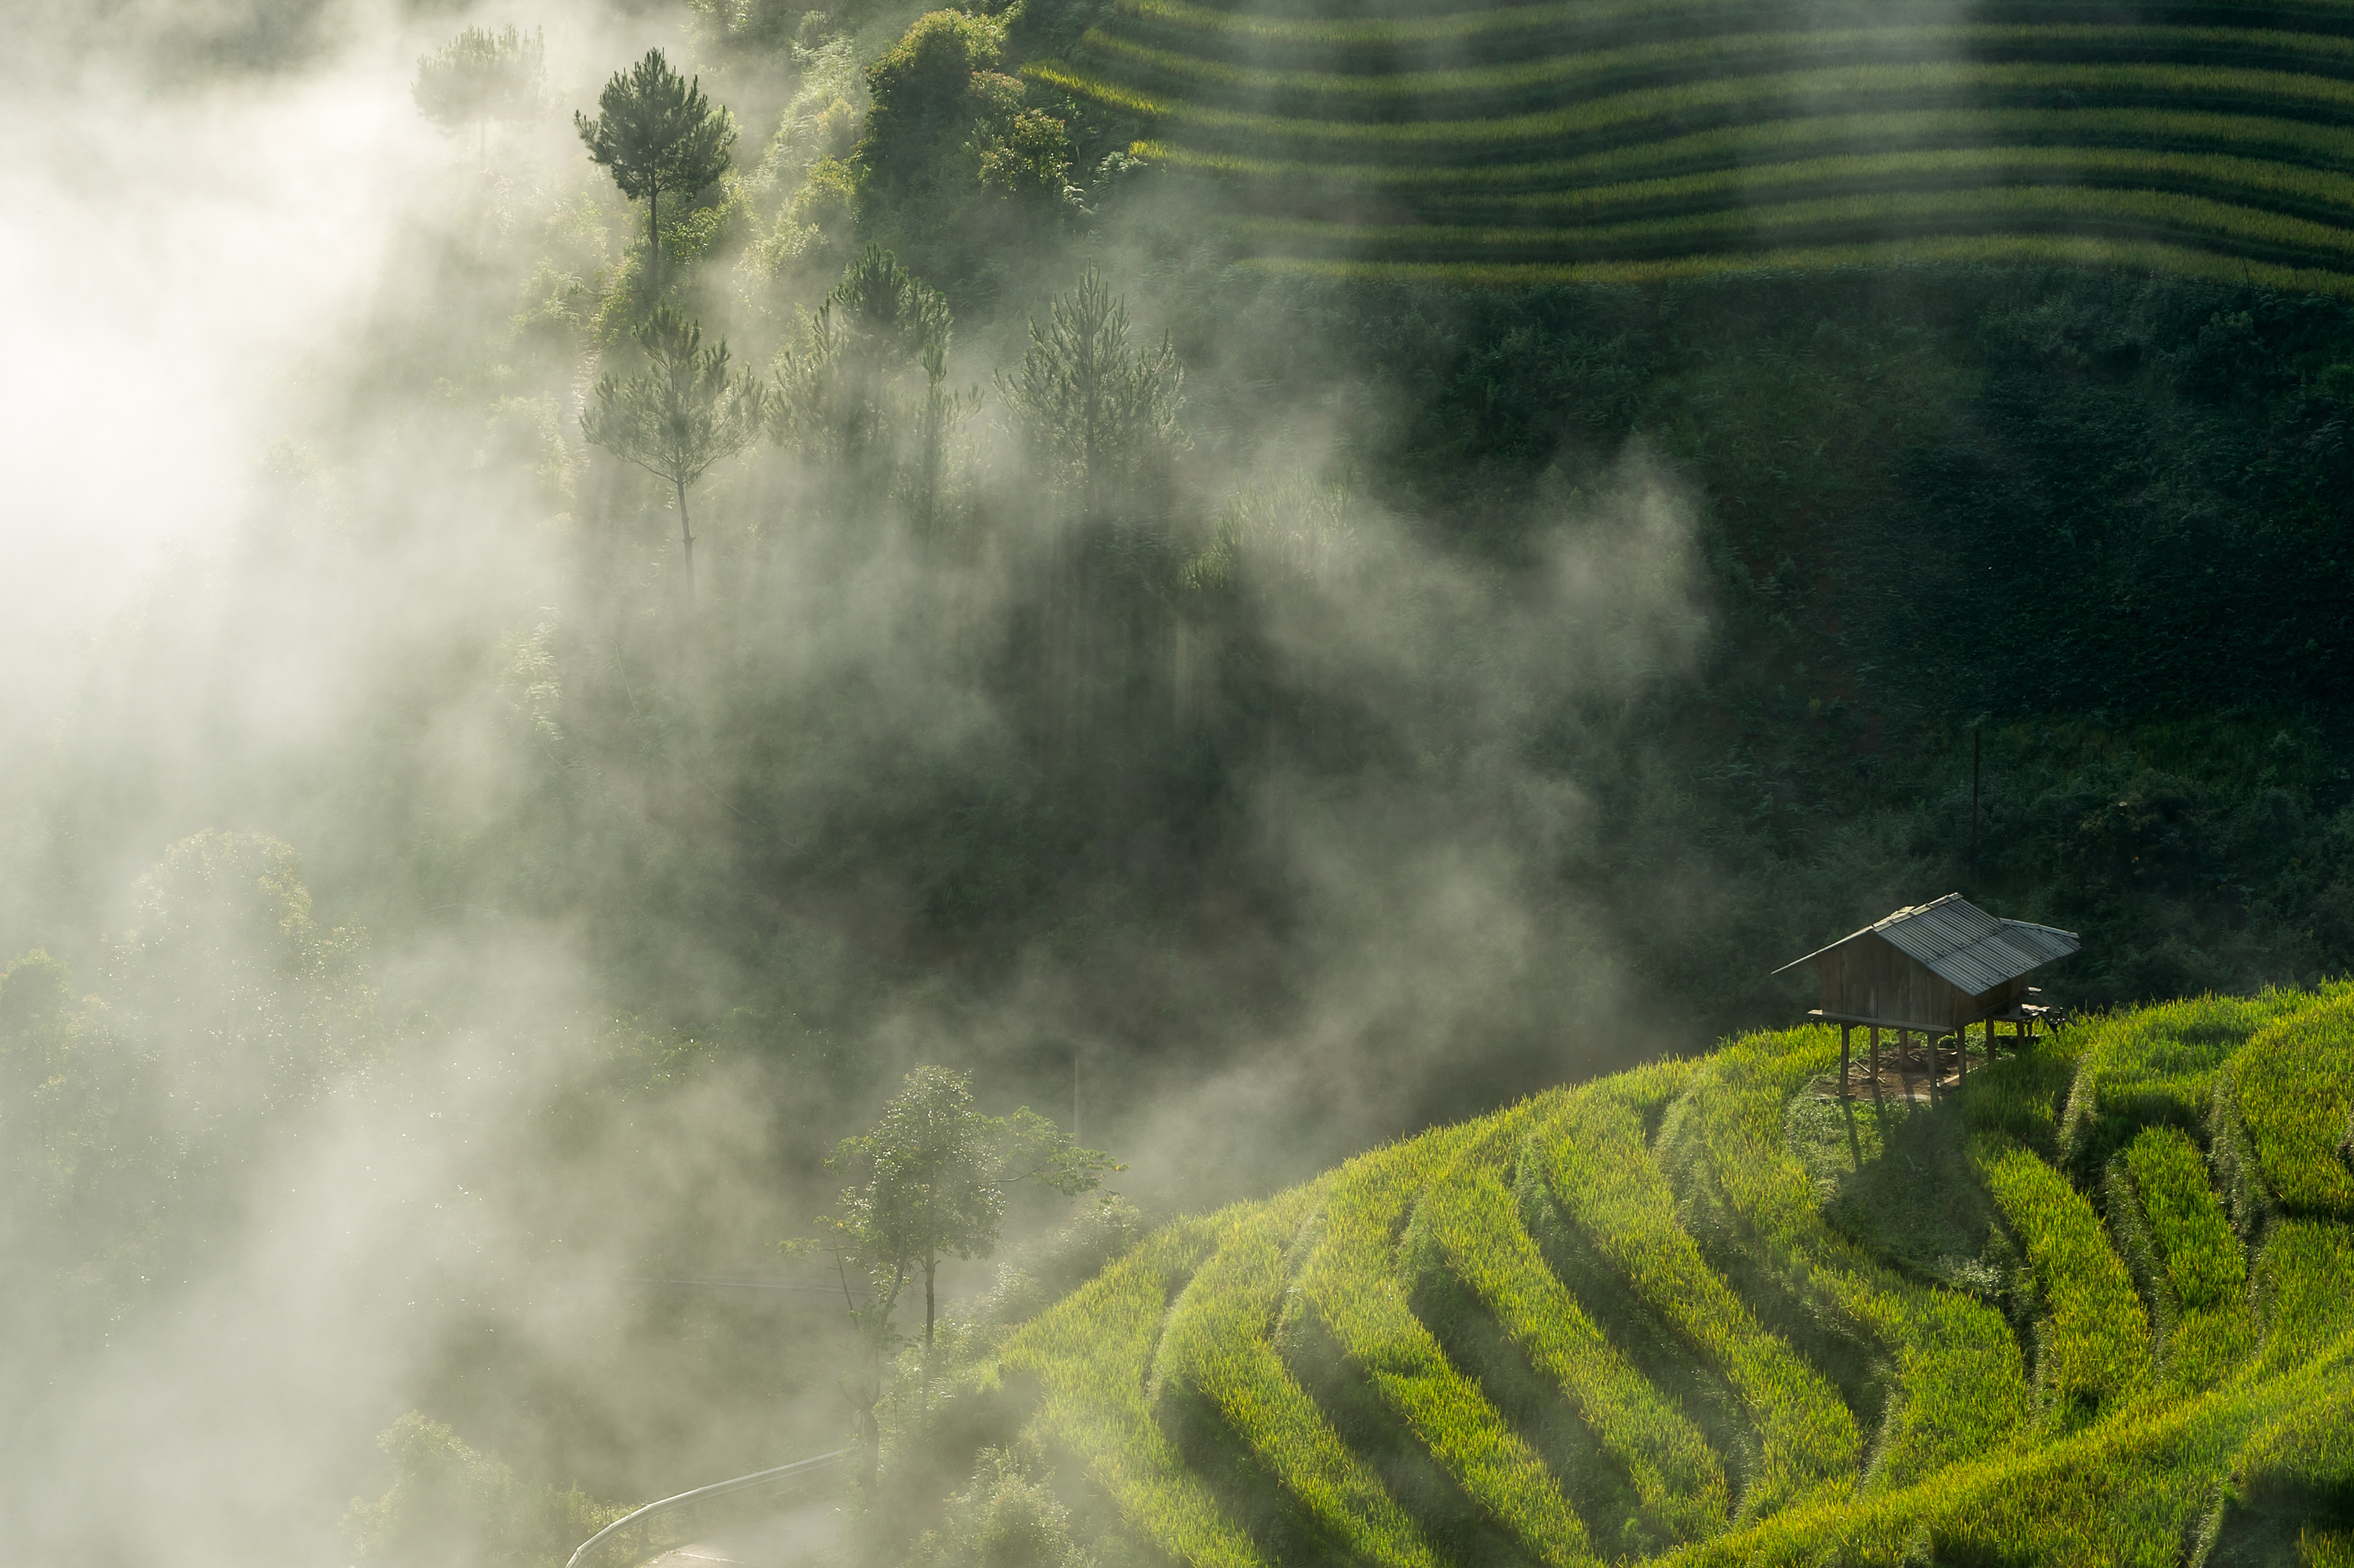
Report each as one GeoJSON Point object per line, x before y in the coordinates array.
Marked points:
{"type": "Point", "coordinates": [1610, 141]}
{"type": "Point", "coordinates": [2098, 1308]}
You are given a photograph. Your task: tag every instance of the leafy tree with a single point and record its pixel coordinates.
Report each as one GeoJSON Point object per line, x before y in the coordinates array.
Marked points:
{"type": "Point", "coordinates": [926, 93]}
{"type": "Point", "coordinates": [950, 166]}
{"type": "Point", "coordinates": [480, 76]}
{"type": "Point", "coordinates": [251, 1005]}
{"type": "Point", "coordinates": [1030, 156]}
{"type": "Point", "coordinates": [750, 27]}
{"type": "Point", "coordinates": [684, 416]}
{"type": "Point", "coordinates": [449, 1504]}
{"type": "Point", "coordinates": [929, 1183]}
{"type": "Point", "coordinates": [655, 132]}
{"type": "Point", "coordinates": [1008, 1515]}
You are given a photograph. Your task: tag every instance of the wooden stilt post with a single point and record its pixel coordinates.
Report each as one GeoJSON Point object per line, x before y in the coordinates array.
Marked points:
{"type": "Point", "coordinates": [1845, 1030]}
{"type": "Point", "coordinates": [1962, 1055]}
{"type": "Point", "coordinates": [1875, 1064]}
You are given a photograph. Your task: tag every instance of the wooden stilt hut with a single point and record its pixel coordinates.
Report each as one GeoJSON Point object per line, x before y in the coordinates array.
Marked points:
{"type": "Point", "coordinates": [1933, 970]}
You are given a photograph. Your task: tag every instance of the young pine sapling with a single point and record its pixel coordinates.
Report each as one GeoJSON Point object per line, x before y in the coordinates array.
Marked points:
{"type": "Point", "coordinates": [685, 414]}
{"type": "Point", "coordinates": [480, 76]}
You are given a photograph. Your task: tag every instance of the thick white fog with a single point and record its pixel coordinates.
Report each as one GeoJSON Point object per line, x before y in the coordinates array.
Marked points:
{"type": "Point", "coordinates": [276, 594]}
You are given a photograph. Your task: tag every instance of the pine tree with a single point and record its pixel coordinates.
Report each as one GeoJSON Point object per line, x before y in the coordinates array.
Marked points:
{"type": "Point", "coordinates": [656, 131]}
{"type": "Point", "coordinates": [685, 415]}
{"type": "Point", "coordinates": [1093, 409]}
{"type": "Point", "coordinates": [480, 76]}
{"type": "Point", "coordinates": [838, 393]}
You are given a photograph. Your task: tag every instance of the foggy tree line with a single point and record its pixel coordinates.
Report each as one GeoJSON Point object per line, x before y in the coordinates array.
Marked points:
{"type": "Point", "coordinates": [1117, 618]}
{"type": "Point", "coordinates": [1159, 643]}
{"type": "Point", "coordinates": [999, 691]}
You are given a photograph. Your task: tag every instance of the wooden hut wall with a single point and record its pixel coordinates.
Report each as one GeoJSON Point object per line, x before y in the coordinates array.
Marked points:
{"type": "Point", "coordinates": [1871, 977]}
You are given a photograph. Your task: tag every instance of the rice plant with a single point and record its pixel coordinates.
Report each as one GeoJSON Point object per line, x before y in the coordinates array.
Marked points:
{"type": "Point", "coordinates": [1678, 1479]}
{"type": "Point", "coordinates": [1768, 93]}
{"type": "Point", "coordinates": [2294, 1089]}
{"type": "Point", "coordinates": [2095, 1348]}
{"type": "Point", "coordinates": [1765, 144]}
{"type": "Point", "coordinates": [1349, 1281]}
{"type": "Point", "coordinates": [2255, 1358]}
{"type": "Point", "coordinates": [2158, 1064]}
{"type": "Point", "coordinates": [2308, 1449]}
{"type": "Point", "coordinates": [1482, 22]}
{"type": "Point", "coordinates": [1934, 168]}
{"type": "Point", "coordinates": [1214, 1342]}
{"type": "Point", "coordinates": [1987, 249]}
{"type": "Point", "coordinates": [1092, 1353]}
{"type": "Point", "coordinates": [2159, 211]}
{"type": "Point", "coordinates": [1961, 1386]}
{"type": "Point", "coordinates": [1584, 69]}
{"type": "Point", "coordinates": [1632, 142]}
{"type": "Point", "coordinates": [1606, 1183]}
{"type": "Point", "coordinates": [2168, 1218]}
{"type": "Point", "coordinates": [2300, 1283]}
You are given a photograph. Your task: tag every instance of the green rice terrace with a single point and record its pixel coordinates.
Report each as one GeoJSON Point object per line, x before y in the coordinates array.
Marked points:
{"type": "Point", "coordinates": [1606, 141]}
{"type": "Point", "coordinates": [2097, 1306]}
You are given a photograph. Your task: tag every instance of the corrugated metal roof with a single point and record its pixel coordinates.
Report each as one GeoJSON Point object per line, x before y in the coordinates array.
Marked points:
{"type": "Point", "coordinates": [1961, 944]}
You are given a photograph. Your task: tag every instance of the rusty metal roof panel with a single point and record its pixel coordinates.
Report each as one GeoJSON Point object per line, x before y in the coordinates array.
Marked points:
{"type": "Point", "coordinates": [1963, 945]}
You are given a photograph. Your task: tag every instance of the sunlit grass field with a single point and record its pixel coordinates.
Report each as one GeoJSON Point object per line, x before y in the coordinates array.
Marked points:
{"type": "Point", "coordinates": [2097, 1307]}
{"type": "Point", "coordinates": [1618, 141]}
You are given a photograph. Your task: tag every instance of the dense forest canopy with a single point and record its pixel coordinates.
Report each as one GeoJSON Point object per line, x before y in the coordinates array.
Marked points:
{"type": "Point", "coordinates": [592, 588]}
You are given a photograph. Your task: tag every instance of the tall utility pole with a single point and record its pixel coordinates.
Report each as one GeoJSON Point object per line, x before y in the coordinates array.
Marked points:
{"type": "Point", "coordinates": [1977, 746]}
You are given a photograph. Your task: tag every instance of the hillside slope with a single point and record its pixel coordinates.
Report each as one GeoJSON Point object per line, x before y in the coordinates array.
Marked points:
{"type": "Point", "coordinates": [2094, 1308]}
{"type": "Point", "coordinates": [1550, 143]}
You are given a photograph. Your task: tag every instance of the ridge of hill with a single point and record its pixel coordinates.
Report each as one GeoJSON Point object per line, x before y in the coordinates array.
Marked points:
{"type": "Point", "coordinates": [1612, 142]}
{"type": "Point", "coordinates": [2093, 1306]}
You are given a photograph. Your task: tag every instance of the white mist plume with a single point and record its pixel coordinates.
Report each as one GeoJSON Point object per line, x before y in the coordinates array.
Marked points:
{"type": "Point", "coordinates": [213, 263]}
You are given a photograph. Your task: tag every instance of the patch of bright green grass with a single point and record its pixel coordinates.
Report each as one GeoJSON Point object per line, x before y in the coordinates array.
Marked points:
{"type": "Point", "coordinates": [1474, 1224]}
{"type": "Point", "coordinates": [1351, 1282]}
{"type": "Point", "coordinates": [1093, 1352]}
{"type": "Point", "coordinates": [2094, 1348]}
{"type": "Point", "coordinates": [2304, 1290]}
{"type": "Point", "coordinates": [2169, 1219]}
{"type": "Point", "coordinates": [1215, 1343]}
{"type": "Point", "coordinates": [1606, 1183]}
{"type": "Point", "coordinates": [2294, 1091]}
